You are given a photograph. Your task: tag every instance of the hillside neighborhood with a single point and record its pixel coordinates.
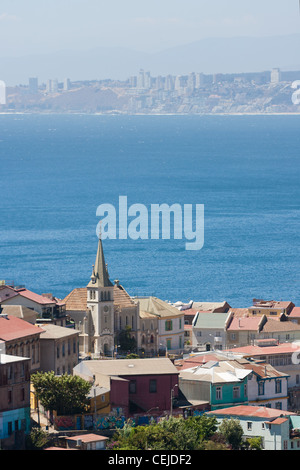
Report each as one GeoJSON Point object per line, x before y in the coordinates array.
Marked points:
{"type": "Point", "coordinates": [146, 360]}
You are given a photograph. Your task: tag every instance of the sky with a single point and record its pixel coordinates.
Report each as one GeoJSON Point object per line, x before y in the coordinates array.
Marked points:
{"type": "Point", "coordinates": [34, 26]}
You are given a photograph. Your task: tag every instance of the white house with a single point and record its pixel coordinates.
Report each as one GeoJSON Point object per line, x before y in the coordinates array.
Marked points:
{"type": "Point", "coordinates": [170, 323]}
{"type": "Point", "coordinates": [267, 386]}
{"type": "Point", "coordinates": [208, 330]}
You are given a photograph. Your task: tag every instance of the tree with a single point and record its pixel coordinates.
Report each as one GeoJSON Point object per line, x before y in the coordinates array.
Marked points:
{"type": "Point", "coordinates": [168, 434]}
{"type": "Point", "coordinates": [126, 341]}
{"type": "Point", "coordinates": [65, 394]}
{"type": "Point", "coordinates": [37, 440]}
{"type": "Point", "coordinates": [233, 432]}
{"type": "Point", "coordinates": [255, 443]}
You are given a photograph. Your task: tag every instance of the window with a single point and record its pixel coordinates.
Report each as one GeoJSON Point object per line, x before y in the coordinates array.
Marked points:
{"type": "Point", "coordinates": [249, 426]}
{"type": "Point", "coordinates": [278, 386]}
{"type": "Point", "coordinates": [261, 388]}
{"type": "Point", "coordinates": [132, 386]}
{"type": "Point", "coordinates": [168, 325]}
{"type": "Point", "coordinates": [218, 393]}
{"type": "Point", "coordinates": [236, 392]}
{"type": "Point", "coordinates": [152, 386]}
{"type": "Point", "coordinates": [233, 336]}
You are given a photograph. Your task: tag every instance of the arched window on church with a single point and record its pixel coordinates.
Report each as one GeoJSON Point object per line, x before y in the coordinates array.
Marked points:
{"type": "Point", "coordinates": [101, 296]}
{"type": "Point", "coordinates": [143, 339]}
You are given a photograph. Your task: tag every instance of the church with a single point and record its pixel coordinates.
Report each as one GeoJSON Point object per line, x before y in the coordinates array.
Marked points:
{"type": "Point", "coordinates": [103, 309]}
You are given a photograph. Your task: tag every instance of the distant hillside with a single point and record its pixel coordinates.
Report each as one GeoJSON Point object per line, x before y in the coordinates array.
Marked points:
{"type": "Point", "coordinates": [211, 55]}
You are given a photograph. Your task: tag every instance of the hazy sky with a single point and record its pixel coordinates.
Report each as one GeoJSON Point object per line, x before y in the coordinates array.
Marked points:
{"type": "Point", "coordinates": [35, 26]}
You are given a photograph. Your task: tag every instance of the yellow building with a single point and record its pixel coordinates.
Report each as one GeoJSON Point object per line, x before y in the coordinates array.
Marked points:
{"type": "Point", "coordinates": [270, 308]}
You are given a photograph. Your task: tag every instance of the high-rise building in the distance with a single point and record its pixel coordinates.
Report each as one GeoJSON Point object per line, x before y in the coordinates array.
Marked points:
{"type": "Point", "coordinates": [33, 85]}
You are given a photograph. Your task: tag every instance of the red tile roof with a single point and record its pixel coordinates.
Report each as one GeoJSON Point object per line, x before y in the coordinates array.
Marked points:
{"type": "Point", "coordinates": [13, 328]}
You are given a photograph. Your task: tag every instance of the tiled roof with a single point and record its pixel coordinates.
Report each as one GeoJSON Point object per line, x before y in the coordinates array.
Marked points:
{"type": "Point", "coordinates": [77, 298]}
{"type": "Point", "coordinates": [13, 328]}
{"type": "Point", "coordinates": [275, 325]}
{"type": "Point", "coordinates": [122, 298]}
{"type": "Point", "coordinates": [240, 312]}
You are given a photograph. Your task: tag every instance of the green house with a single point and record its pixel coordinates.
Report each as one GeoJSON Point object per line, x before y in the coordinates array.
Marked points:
{"type": "Point", "coordinates": [219, 384]}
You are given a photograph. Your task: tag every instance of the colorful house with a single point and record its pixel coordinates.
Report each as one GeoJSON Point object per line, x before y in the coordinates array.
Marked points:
{"type": "Point", "coordinates": [14, 400]}
{"type": "Point", "coordinates": [134, 385]}
{"type": "Point", "coordinates": [220, 384]}
{"type": "Point", "coordinates": [278, 430]}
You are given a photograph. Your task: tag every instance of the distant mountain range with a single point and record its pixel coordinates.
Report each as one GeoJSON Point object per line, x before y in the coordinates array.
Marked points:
{"type": "Point", "coordinates": [210, 55]}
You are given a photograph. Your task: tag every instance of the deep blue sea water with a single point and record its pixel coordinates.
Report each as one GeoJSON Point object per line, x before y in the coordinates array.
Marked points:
{"type": "Point", "coordinates": [57, 169]}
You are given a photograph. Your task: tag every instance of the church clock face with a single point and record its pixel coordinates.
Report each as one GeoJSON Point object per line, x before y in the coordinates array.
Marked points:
{"type": "Point", "coordinates": [106, 309]}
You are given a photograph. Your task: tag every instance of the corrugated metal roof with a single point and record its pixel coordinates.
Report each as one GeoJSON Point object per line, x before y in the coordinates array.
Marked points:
{"type": "Point", "coordinates": [210, 320]}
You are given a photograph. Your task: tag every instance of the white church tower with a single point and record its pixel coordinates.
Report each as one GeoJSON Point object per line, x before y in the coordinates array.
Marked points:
{"type": "Point", "coordinates": [100, 302]}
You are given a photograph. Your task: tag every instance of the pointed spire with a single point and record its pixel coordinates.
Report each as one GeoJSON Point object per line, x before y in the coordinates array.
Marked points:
{"type": "Point", "coordinates": [100, 277]}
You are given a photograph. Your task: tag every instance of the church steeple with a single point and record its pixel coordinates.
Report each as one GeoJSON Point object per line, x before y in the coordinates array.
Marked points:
{"type": "Point", "coordinates": [100, 276]}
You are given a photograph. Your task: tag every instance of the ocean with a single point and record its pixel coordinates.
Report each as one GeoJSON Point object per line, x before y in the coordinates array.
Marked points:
{"type": "Point", "coordinates": [57, 169]}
